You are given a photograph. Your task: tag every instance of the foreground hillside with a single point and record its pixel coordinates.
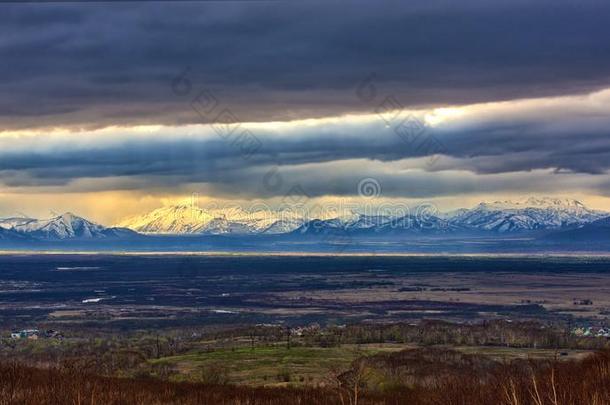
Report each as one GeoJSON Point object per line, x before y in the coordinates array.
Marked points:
{"type": "Point", "coordinates": [435, 363]}
{"type": "Point", "coordinates": [425, 376]}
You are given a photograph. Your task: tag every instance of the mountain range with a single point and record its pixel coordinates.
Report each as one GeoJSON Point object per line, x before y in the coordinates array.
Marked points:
{"type": "Point", "coordinates": [190, 219]}
{"type": "Point", "coordinates": [61, 227]}
{"type": "Point", "coordinates": [561, 218]}
{"type": "Point", "coordinates": [532, 214]}
{"type": "Point", "coordinates": [529, 215]}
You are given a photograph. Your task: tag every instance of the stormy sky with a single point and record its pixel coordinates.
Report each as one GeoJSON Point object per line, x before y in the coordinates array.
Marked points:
{"type": "Point", "coordinates": [114, 108]}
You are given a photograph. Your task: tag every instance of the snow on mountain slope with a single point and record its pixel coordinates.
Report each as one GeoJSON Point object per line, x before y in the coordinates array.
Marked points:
{"type": "Point", "coordinates": [65, 226]}
{"type": "Point", "coordinates": [11, 222]}
{"type": "Point", "coordinates": [503, 216]}
{"type": "Point", "coordinates": [528, 215]}
{"type": "Point", "coordinates": [546, 203]}
{"type": "Point", "coordinates": [367, 221]}
{"type": "Point", "coordinates": [176, 219]}
{"type": "Point", "coordinates": [284, 226]}
{"type": "Point", "coordinates": [360, 224]}
{"type": "Point", "coordinates": [380, 225]}
{"type": "Point", "coordinates": [236, 220]}
{"type": "Point", "coordinates": [590, 234]}
{"type": "Point", "coordinates": [189, 219]}
{"type": "Point", "coordinates": [452, 214]}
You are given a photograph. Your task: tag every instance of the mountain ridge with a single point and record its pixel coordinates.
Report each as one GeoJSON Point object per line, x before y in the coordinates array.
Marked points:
{"type": "Point", "coordinates": [532, 214]}
{"type": "Point", "coordinates": [190, 219]}
{"type": "Point", "coordinates": [60, 227]}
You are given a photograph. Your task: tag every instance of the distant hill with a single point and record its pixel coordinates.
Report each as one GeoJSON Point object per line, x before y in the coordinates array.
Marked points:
{"type": "Point", "coordinates": [377, 226]}
{"type": "Point", "coordinates": [13, 236]}
{"type": "Point", "coordinates": [595, 232]}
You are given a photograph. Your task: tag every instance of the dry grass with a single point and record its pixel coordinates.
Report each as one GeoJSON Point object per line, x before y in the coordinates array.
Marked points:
{"type": "Point", "coordinates": [460, 379]}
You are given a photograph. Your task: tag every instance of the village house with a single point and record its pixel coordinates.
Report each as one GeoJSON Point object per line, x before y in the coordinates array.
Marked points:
{"type": "Point", "coordinates": [590, 331]}
{"type": "Point", "coordinates": [26, 334]}
{"type": "Point", "coordinates": [34, 334]}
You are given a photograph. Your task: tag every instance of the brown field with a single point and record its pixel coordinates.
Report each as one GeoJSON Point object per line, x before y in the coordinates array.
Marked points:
{"type": "Point", "coordinates": [417, 376]}
{"type": "Point", "coordinates": [554, 292]}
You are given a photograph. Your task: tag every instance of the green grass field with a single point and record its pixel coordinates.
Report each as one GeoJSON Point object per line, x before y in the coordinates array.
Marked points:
{"type": "Point", "coordinates": [272, 365]}
{"type": "Point", "coordinates": [277, 365]}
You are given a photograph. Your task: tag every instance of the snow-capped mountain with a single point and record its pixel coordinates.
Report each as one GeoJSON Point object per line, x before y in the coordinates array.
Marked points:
{"type": "Point", "coordinates": [65, 226]}
{"type": "Point", "coordinates": [548, 203]}
{"type": "Point", "coordinates": [500, 216]}
{"type": "Point", "coordinates": [190, 219]}
{"type": "Point", "coordinates": [351, 221]}
{"type": "Point", "coordinates": [529, 215]}
{"type": "Point", "coordinates": [545, 219]}
{"type": "Point", "coordinates": [11, 222]}
{"type": "Point", "coordinates": [377, 225]}
{"type": "Point", "coordinates": [176, 219]}
{"type": "Point", "coordinates": [418, 224]}
{"type": "Point", "coordinates": [239, 221]}
{"type": "Point", "coordinates": [590, 234]}
{"type": "Point", "coordinates": [282, 226]}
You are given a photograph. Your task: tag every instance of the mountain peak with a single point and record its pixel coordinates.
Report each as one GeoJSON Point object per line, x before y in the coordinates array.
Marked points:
{"type": "Point", "coordinates": [533, 213]}
{"type": "Point", "coordinates": [69, 217]}
{"type": "Point", "coordinates": [190, 219]}
{"type": "Point", "coordinates": [534, 202]}
{"type": "Point", "coordinates": [64, 226]}
{"type": "Point", "coordinates": [179, 218]}
{"type": "Point", "coordinates": [553, 202]}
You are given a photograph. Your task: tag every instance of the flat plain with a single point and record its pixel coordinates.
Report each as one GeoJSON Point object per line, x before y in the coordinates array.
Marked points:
{"type": "Point", "coordinates": [159, 291]}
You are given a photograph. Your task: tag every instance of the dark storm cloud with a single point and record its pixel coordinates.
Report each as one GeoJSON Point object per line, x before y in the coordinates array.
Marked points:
{"type": "Point", "coordinates": [534, 144]}
{"type": "Point", "coordinates": [107, 63]}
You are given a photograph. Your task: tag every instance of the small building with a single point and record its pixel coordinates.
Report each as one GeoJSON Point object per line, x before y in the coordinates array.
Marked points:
{"type": "Point", "coordinates": [578, 332]}
{"type": "Point", "coordinates": [26, 334]}
{"type": "Point", "coordinates": [590, 331]}
{"type": "Point", "coordinates": [603, 332]}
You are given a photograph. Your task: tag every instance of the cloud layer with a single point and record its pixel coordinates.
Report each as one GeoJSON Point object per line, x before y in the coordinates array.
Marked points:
{"type": "Point", "coordinates": [243, 100]}
{"type": "Point", "coordinates": [525, 145]}
{"type": "Point", "coordinates": [92, 65]}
